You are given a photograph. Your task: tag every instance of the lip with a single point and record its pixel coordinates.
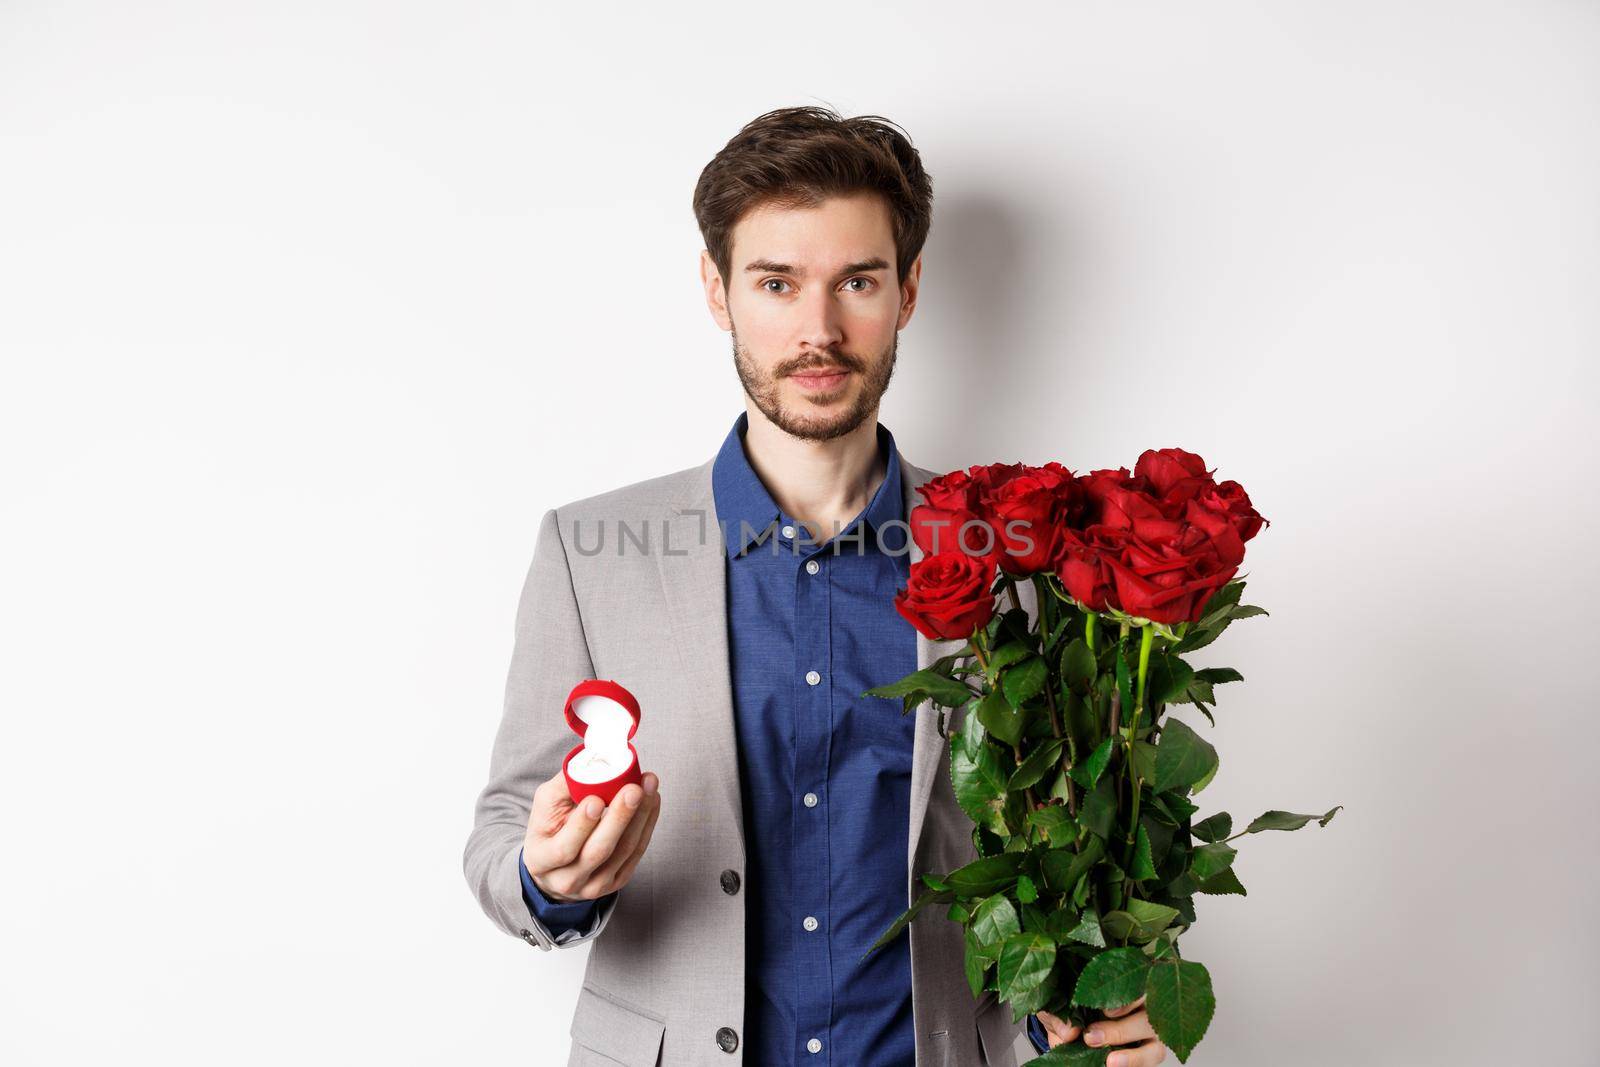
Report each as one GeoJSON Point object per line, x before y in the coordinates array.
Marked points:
{"type": "Point", "coordinates": [820, 381]}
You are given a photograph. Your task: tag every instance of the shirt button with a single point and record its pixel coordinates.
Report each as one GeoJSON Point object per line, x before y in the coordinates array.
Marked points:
{"type": "Point", "coordinates": [813, 1045]}
{"type": "Point", "coordinates": [727, 1040]}
{"type": "Point", "coordinates": [788, 531]}
{"type": "Point", "coordinates": [812, 677]}
{"type": "Point", "coordinates": [812, 566]}
{"type": "Point", "coordinates": [810, 923]}
{"type": "Point", "coordinates": [811, 800]}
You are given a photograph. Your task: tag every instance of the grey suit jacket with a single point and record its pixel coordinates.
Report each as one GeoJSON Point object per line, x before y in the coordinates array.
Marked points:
{"type": "Point", "coordinates": [666, 964]}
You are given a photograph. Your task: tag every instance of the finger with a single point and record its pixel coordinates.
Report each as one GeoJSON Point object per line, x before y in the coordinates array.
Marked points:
{"type": "Point", "coordinates": [1146, 1055]}
{"type": "Point", "coordinates": [1059, 1030]}
{"type": "Point", "coordinates": [602, 877]}
{"type": "Point", "coordinates": [625, 872]}
{"type": "Point", "coordinates": [1135, 1027]}
{"type": "Point", "coordinates": [551, 802]}
{"type": "Point", "coordinates": [603, 841]}
{"type": "Point", "coordinates": [563, 847]}
{"type": "Point", "coordinates": [1118, 1012]}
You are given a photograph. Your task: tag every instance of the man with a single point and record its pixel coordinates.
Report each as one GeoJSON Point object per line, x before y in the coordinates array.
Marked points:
{"type": "Point", "coordinates": [748, 602]}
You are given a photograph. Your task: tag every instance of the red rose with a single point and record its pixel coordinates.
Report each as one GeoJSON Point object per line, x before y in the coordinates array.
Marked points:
{"type": "Point", "coordinates": [1117, 498]}
{"type": "Point", "coordinates": [1173, 473]}
{"type": "Point", "coordinates": [947, 596]}
{"type": "Point", "coordinates": [1166, 571]}
{"type": "Point", "coordinates": [949, 521]}
{"type": "Point", "coordinates": [1082, 566]}
{"type": "Point", "coordinates": [1230, 499]}
{"type": "Point", "coordinates": [1029, 512]}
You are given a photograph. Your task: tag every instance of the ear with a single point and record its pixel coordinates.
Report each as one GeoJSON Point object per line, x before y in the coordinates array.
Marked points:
{"type": "Point", "coordinates": [716, 291]}
{"type": "Point", "coordinates": [908, 292]}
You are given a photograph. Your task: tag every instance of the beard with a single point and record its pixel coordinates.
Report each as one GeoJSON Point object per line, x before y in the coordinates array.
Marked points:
{"type": "Point", "coordinates": [806, 422]}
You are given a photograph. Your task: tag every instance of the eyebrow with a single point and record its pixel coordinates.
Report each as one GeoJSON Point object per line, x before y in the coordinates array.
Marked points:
{"type": "Point", "coordinates": [767, 266]}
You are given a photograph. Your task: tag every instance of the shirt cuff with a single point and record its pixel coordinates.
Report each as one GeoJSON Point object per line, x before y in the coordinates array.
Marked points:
{"type": "Point", "coordinates": [558, 916]}
{"type": "Point", "coordinates": [1036, 1034]}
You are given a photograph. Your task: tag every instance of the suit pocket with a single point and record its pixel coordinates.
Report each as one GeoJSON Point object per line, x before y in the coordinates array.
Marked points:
{"type": "Point", "coordinates": [617, 1032]}
{"type": "Point", "coordinates": [997, 1034]}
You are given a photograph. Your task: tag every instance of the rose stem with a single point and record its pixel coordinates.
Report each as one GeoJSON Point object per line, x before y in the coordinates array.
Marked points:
{"type": "Point", "coordinates": [1146, 635]}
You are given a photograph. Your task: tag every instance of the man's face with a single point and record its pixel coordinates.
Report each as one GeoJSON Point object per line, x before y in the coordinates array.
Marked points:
{"type": "Point", "coordinates": [815, 311]}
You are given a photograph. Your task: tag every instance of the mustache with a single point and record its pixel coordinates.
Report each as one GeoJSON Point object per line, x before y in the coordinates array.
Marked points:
{"type": "Point", "coordinates": [840, 361]}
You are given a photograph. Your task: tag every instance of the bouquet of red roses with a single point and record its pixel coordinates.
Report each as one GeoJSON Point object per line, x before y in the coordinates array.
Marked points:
{"type": "Point", "coordinates": [1067, 761]}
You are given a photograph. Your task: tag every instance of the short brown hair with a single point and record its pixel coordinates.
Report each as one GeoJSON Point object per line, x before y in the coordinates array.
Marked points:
{"type": "Point", "coordinates": [799, 156]}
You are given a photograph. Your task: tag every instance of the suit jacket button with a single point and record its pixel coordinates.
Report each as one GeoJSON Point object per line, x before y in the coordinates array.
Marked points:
{"type": "Point", "coordinates": [727, 1039]}
{"type": "Point", "coordinates": [730, 882]}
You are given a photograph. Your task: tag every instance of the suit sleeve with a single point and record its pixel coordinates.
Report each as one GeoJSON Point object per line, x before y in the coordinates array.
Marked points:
{"type": "Point", "coordinates": [558, 919]}
{"type": "Point", "coordinates": [549, 656]}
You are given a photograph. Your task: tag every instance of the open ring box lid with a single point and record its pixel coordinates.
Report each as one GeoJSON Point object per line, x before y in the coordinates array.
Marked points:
{"type": "Point", "coordinates": [605, 715]}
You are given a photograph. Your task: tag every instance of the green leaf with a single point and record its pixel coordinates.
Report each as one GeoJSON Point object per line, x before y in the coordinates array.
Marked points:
{"type": "Point", "coordinates": [1005, 656]}
{"type": "Point", "coordinates": [958, 913]}
{"type": "Point", "coordinates": [1205, 781]}
{"type": "Point", "coordinates": [1015, 622]}
{"type": "Point", "coordinates": [978, 776]}
{"type": "Point", "coordinates": [994, 920]}
{"type": "Point", "coordinates": [1151, 917]}
{"type": "Point", "coordinates": [1025, 889]}
{"type": "Point", "coordinates": [999, 719]}
{"type": "Point", "coordinates": [1055, 823]}
{"type": "Point", "coordinates": [1221, 603]}
{"type": "Point", "coordinates": [986, 875]}
{"type": "Point", "coordinates": [975, 962]}
{"type": "Point", "coordinates": [1288, 820]}
{"type": "Point", "coordinates": [932, 896]}
{"type": "Point", "coordinates": [1183, 757]}
{"type": "Point", "coordinates": [1142, 757]}
{"type": "Point", "coordinates": [1062, 867]}
{"type": "Point", "coordinates": [1023, 681]}
{"type": "Point", "coordinates": [1124, 684]}
{"type": "Point", "coordinates": [926, 683]}
{"type": "Point", "coordinates": [1077, 665]}
{"type": "Point", "coordinates": [1086, 772]}
{"type": "Point", "coordinates": [1113, 978]}
{"type": "Point", "coordinates": [1088, 929]}
{"type": "Point", "coordinates": [1247, 611]}
{"type": "Point", "coordinates": [1072, 1054]}
{"type": "Point", "coordinates": [1040, 760]}
{"type": "Point", "coordinates": [1213, 827]}
{"type": "Point", "coordinates": [1144, 868]}
{"type": "Point", "coordinates": [1180, 1003]}
{"type": "Point", "coordinates": [1218, 675]}
{"type": "Point", "coordinates": [1168, 679]}
{"type": "Point", "coordinates": [1099, 811]}
{"type": "Point", "coordinates": [1225, 883]}
{"type": "Point", "coordinates": [1208, 861]}
{"type": "Point", "coordinates": [1025, 961]}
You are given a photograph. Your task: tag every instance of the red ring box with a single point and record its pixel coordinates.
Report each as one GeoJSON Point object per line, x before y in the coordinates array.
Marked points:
{"type": "Point", "coordinates": [601, 703]}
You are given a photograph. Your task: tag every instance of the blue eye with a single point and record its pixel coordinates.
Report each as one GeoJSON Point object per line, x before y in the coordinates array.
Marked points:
{"type": "Point", "coordinates": [770, 281]}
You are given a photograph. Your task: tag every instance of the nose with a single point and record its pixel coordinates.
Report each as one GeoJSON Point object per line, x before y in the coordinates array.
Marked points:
{"type": "Point", "coordinates": [821, 326]}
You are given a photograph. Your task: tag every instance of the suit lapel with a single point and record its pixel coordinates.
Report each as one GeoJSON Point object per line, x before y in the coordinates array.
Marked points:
{"type": "Point", "coordinates": [927, 745]}
{"type": "Point", "coordinates": [692, 563]}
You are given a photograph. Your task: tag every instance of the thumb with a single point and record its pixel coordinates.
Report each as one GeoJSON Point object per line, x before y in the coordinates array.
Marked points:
{"type": "Point", "coordinates": [1059, 1030]}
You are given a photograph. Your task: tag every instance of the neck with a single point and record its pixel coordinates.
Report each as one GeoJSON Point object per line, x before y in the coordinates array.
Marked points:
{"type": "Point", "coordinates": [824, 484]}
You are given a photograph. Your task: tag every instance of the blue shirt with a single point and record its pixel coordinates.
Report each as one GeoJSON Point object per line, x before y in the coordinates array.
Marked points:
{"type": "Point", "coordinates": [825, 773]}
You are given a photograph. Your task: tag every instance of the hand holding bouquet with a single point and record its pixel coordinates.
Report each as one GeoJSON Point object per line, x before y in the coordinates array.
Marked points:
{"type": "Point", "coordinates": [1068, 763]}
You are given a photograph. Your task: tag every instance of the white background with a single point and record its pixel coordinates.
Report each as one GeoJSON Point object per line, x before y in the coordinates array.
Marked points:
{"type": "Point", "coordinates": [308, 310]}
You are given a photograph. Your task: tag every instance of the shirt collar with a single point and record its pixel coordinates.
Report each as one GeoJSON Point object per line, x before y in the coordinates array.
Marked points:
{"type": "Point", "coordinates": [748, 514]}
